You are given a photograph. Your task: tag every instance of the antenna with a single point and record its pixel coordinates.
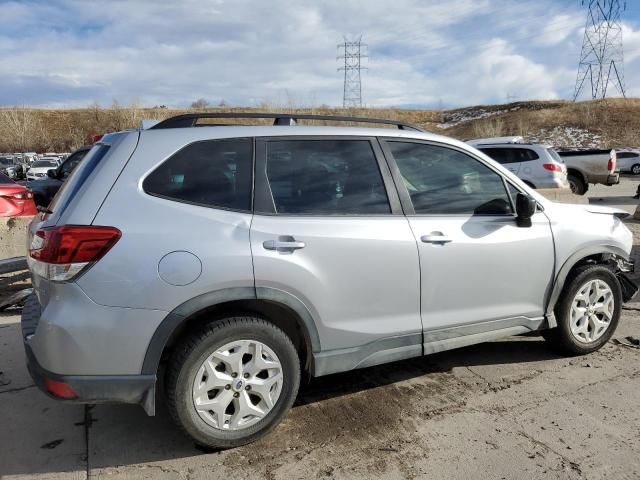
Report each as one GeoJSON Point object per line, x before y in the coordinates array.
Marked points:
{"type": "Point", "coordinates": [352, 53]}
{"type": "Point", "coordinates": [601, 58]}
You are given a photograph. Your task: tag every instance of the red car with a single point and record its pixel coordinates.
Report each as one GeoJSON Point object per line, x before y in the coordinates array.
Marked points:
{"type": "Point", "coordinates": [15, 200]}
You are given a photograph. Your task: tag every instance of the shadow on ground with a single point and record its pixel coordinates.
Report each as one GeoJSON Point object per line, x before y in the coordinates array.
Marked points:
{"type": "Point", "coordinates": [119, 435]}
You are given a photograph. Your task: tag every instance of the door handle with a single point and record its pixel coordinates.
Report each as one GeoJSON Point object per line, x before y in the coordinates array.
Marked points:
{"type": "Point", "coordinates": [283, 244]}
{"type": "Point", "coordinates": [435, 237]}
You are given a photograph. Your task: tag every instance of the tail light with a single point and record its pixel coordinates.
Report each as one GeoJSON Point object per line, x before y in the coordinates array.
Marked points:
{"type": "Point", "coordinates": [60, 389]}
{"type": "Point", "coordinates": [62, 253]}
{"type": "Point", "coordinates": [611, 165]}
{"type": "Point", "coordinates": [26, 195]}
{"type": "Point", "coordinates": [554, 167]}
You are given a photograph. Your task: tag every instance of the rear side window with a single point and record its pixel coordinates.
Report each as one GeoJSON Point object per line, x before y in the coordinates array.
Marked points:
{"type": "Point", "coordinates": [325, 177]}
{"type": "Point", "coordinates": [626, 155]}
{"type": "Point", "coordinates": [212, 173]}
{"type": "Point", "coordinates": [510, 155]}
{"type": "Point", "coordinates": [73, 184]}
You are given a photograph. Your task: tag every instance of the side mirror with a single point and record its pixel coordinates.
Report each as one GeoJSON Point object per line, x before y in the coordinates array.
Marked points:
{"type": "Point", "coordinates": [52, 173]}
{"type": "Point", "coordinates": [525, 208]}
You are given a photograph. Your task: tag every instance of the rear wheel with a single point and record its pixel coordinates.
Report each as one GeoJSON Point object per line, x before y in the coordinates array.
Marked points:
{"type": "Point", "coordinates": [233, 381]}
{"type": "Point", "coordinates": [588, 311]}
{"type": "Point", "coordinates": [635, 169]}
{"type": "Point", "coordinates": [577, 184]}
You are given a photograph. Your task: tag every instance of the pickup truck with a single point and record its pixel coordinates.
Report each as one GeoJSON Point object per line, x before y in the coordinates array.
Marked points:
{"type": "Point", "coordinates": [590, 166]}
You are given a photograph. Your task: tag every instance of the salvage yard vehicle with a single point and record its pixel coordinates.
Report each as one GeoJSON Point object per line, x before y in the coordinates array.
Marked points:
{"type": "Point", "coordinates": [628, 161]}
{"type": "Point", "coordinates": [590, 166]}
{"type": "Point", "coordinates": [539, 166]}
{"type": "Point", "coordinates": [45, 188]}
{"type": "Point", "coordinates": [15, 200]}
{"type": "Point", "coordinates": [39, 168]}
{"type": "Point", "coordinates": [225, 263]}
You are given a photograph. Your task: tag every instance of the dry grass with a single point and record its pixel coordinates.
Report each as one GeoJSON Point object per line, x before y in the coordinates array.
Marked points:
{"type": "Point", "coordinates": [617, 121]}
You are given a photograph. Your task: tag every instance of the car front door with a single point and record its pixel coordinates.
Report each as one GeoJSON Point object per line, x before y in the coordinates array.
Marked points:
{"type": "Point", "coordinates": [480, 272]}
{"type": "Point", "coordinates": [328, 230]}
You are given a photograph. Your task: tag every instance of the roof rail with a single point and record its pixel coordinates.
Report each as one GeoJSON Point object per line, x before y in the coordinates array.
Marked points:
{"type": "Point", "coordinates": [191, 119]}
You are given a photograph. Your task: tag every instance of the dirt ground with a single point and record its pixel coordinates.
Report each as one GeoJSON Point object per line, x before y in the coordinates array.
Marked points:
{"type": "Point", "coordinates": [509, 409]}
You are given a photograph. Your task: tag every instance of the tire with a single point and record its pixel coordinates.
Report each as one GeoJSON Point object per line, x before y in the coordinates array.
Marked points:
{"type": "Point", "coordinates": [237, 339]}
{"type": "Point", "coordinates": [577, 184]}
{"type": "Point", "coordinates": [563, 338]}
{"type": "Point", "coordinates": [635, 169]}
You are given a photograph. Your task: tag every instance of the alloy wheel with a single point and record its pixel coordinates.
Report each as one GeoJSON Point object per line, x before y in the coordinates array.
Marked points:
{"type": "Point", "coordinates": [237, 385]}
{"type": "Point", "coordinates": [592, 310]}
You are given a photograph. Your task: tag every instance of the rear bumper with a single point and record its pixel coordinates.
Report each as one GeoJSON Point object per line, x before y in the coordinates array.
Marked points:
{"type": "Point", "coordinates": [613, 179]}
{"type": "Point", "coordinates": [137, 389]}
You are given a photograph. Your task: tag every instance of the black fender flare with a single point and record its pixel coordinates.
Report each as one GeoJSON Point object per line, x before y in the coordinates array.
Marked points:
{"type": "Point", "coordinates": [568, 265]}
{"type": "Point", "coordinates": [182, 312]}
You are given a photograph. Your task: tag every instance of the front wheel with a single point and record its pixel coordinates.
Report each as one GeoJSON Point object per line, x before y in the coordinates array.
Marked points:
{"type": "Point", "coordinates": [635, 169]}
{"type": "Point", "coordinates": [233, 381]}
{"type": "Point", "coordinates": [587, 312]}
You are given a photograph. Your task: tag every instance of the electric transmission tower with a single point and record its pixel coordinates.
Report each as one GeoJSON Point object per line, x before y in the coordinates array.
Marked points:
{"type": "Point", "coordinates": [601, 58]}
{"type": "Point", "coordinates": [352, 53]}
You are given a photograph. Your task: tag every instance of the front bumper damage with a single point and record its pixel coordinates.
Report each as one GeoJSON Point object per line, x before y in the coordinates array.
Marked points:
{"type": "Point", "coordinates": [628, 286]}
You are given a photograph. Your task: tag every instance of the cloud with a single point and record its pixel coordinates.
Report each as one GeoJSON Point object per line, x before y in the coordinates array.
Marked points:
{"type": "Point", "coordinates": [60, 52]}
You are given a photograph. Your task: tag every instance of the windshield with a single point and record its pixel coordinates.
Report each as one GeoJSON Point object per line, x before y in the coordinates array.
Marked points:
{"type": "Point", "coordinates": [44, 163]}
{"type": "Point", "coordinates": [5, 161]}
{"type": "Point", "coordinates": [555, 155]}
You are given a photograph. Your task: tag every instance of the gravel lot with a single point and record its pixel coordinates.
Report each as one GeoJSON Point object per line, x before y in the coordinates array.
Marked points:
{"type": "Point", "coordinates": [507, 409]}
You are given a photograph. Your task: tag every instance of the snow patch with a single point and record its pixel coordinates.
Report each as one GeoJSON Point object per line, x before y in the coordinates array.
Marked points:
{"type": "Point", "coordinates": [463, 116]}
{"type": "Point", "coordinates": [566, 137]}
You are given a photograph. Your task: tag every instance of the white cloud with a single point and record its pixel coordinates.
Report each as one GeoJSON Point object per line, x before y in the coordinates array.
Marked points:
{"type": "Point", "coordinates": [249, 51]}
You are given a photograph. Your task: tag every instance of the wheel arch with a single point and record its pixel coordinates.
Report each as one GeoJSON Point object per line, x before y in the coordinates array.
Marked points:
{"type": "Point", "coordinates": [579, 173]}
{"type": "Point", "coordinates": [277, 306]}
{"type": "Point", "coordinates": [595, 254]}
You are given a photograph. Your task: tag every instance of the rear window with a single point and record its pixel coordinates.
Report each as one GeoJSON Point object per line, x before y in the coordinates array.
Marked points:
{"type": "Point", "coordinates": [75, 181]}
{"type": "Point", "coordinates": [211, 173]}
{"type": "Point", "coordinates": [555, 155]}
{"type": "Point", "coordinates": [45, 163]}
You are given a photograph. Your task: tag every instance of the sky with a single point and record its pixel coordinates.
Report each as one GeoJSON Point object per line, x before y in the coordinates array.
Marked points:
{"type": "Point", "coordinates": [422, 53]}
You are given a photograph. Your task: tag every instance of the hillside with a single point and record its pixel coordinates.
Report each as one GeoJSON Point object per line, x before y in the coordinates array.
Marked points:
{"type": "Point", "coordinates": [602, 123]}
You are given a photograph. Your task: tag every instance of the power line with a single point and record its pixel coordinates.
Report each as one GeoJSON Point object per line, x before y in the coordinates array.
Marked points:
{"type": "Point", "coordinates": [352, 53]}
{"type": "Point", "coordinates": [601, 57]}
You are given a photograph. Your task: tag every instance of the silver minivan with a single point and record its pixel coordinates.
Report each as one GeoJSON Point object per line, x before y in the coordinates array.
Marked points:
{"type": "Point", "coordinates": [225, 263]}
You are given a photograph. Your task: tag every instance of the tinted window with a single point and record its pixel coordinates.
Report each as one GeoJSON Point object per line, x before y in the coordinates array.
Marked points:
{"type": "Point", "coordinates": [44, 163]}
{"type": "Point", "coordinates": [215, 173]}
{"type": "Point", "coordinates": [626, 155]}
{"type": "Point", "coordinates": [445, 181]}
{"type": "Point", "coordinates": [500, 155]}
{"type": "Point", "coordinates": [325, 177]}
{"type": "Point", "coordinates": [70, 188]}
{"type": "Point", "coordinates": [70, 163]}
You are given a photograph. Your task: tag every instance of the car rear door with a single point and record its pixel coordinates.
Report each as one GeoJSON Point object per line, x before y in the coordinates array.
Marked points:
{"type": "Point", "coordinates": [480, 272]}
{"type": "Point", "coordinates": [328, 230]}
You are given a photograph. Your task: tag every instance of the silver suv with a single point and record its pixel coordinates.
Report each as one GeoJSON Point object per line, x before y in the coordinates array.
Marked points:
{"type": "Point", "coordinates": [230, 261]}
{"type": "Point", "coordinates": [539, 166]}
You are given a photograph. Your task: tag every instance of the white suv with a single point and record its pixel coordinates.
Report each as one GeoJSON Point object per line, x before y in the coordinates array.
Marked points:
{"type": "Point", "coordinates": [539, 166]}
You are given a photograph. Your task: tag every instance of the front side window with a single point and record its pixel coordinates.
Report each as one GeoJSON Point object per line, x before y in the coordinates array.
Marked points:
{"type": "Point", "coordinates": [325, 177]}
{"type": "Point", "coordinates": [212, 173]}
{"type": "Point", "coordinates": [443, 181]}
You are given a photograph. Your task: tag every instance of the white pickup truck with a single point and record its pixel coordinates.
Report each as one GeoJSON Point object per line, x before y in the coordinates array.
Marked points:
{"type": "Point", "coordinates": [590, 166]}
